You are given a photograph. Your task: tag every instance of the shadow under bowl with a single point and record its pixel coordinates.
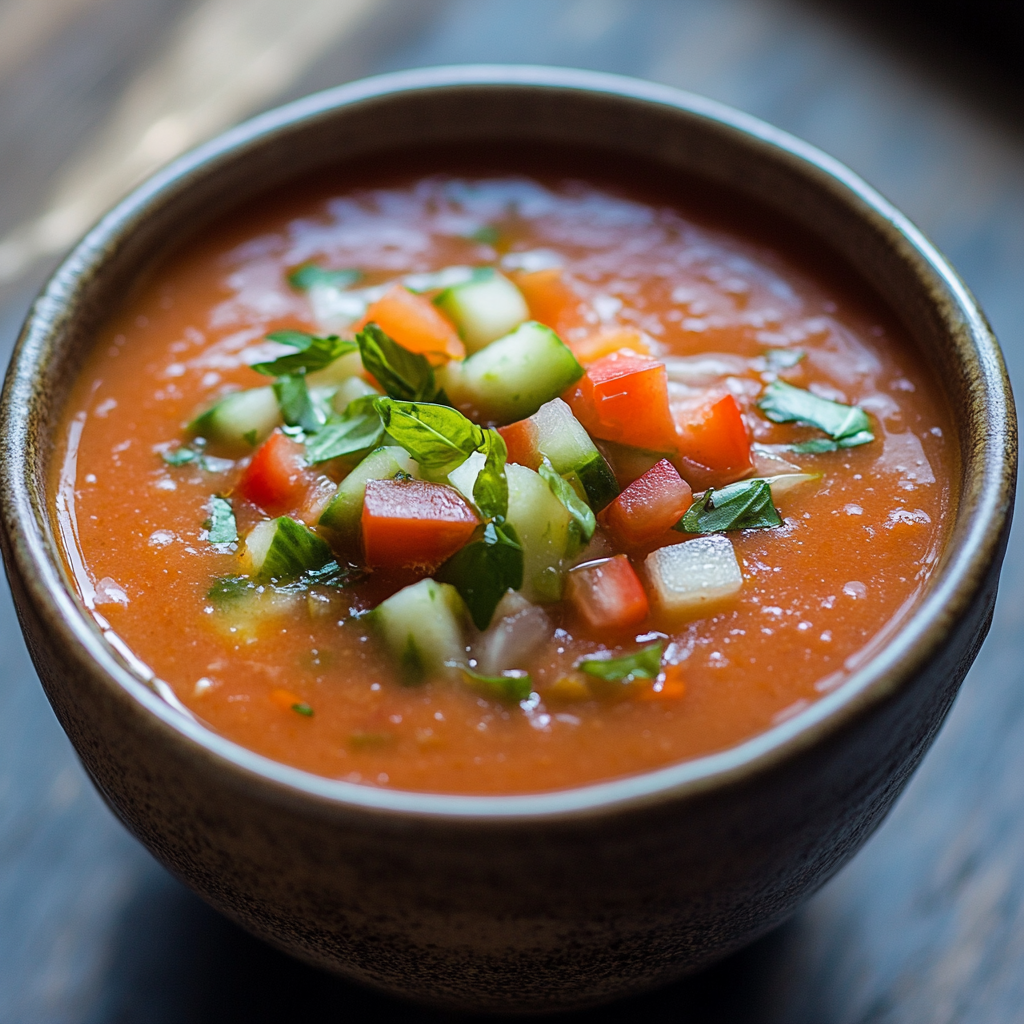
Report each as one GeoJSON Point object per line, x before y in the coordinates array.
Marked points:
{"type": "Point", "coordinates": [546, 901]}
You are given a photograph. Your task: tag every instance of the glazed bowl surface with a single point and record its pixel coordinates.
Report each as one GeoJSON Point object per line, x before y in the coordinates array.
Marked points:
{"type": "Point", "coordinates": [560, 899]}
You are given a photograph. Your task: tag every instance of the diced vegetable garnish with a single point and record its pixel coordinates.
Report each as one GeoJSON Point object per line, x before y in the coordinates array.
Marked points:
{"type": "Point", "coordinates": [624, 398]}
{"type": "Point", "coordinates": [517, 630]}
{"type": "Point", "coordinates": [296, 403]}
{"type": "Point", "coordinates": [629, 464]}
{"type": "Point", "coordinates": [511, 687]}
{"type": "Point", "coordinates": [311, 353]}
{"type": "Point", "coordinates": [402, 374]}
{"type": "Point", "coordinates": [221, 528]}
{"type": "Point", "coordinates": [687, 577]}
{"type": "Point", "coordinates": [551, 301]}
{"type": "Point", "coordinates": [422, 627]}
{"type": "Point", "coordinates": [349, 390]}
{"type": "Point", "coordinates": [642, 664]}
{"type": "Point", "coordinates": [746, 505]}
{"type": "Point", "coordinates": [413, 322]}
{"type": "Point", "coordinates": [485, 570]}
{"type": "Point", "coordinates": [343, 514]}
{"type": "Point", "coordinates": [554, 432]}
{"type": "Point", "coordinates": [583, 522]}
{"type": "Point", "coordinates": [607, 594]}
{"type": "Point", "coordinates": [282, 549]}
{"type": "Point", "coordinates": [343, 368]}
{"type": "Point", "coordinates": [846, 425]}
{"type": "Point", "coordinates": [310, 275]}
{"type": "Point", "coordinates": [541, 522]}
{"type": "Point", "coordinates": [239, 421]}
{"type": "Point", "coordinates": [785, 482]}
{"type": "Point", "coordinates": [648, 507]}
{"type": "Point", "coordinates": [413, 523]}
{"type": "Point", "coordinates": [484, 309]}
{"type": "Point", "coordinates": [610, 340]}
{"type": "Point", "coordinates": [713, 435]}
{"type": "Point", "coordinates": [512, 377]}
{"type": "Point", "coordinates": [277, 478]}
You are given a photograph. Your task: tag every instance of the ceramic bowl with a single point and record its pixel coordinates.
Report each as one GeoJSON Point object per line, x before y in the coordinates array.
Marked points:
{"type": "Point", "coordinates": [535, 902]}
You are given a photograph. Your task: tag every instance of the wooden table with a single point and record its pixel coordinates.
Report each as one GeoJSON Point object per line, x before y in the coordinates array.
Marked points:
{"type": "Point", "coordinates": [927, 924]}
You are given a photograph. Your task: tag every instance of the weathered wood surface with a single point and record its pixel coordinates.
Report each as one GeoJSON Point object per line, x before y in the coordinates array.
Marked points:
{"type": "Point", "coordinates": [927, 924]}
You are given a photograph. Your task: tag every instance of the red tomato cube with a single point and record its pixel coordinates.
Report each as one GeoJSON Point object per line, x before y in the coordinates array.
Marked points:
{"type": "Point", "coordinates": [713, 435]}
{"type": "Point", "coordinates": [277, 479]}
{"type": "Point", "coordinates": [648, 507]}
{"type": "Point", "coordinates": [624, 398]}
{"type": "Point", "coordinates": [607, 594]}
{"type": "Point", "coordinates": [413, 523]}
{"type": "Point", "coordinates": [521, 440]}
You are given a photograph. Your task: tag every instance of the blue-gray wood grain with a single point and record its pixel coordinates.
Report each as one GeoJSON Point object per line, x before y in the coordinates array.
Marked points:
{"type": "Point", "coordinates": [927, 923]}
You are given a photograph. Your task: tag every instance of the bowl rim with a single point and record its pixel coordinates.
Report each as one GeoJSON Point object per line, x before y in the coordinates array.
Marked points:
{"type": "Point", "coordinates": [884, 671]}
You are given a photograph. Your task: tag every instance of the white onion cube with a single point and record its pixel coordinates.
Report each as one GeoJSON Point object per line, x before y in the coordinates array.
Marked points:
{"type": "Point", "coordinates": [688, 575]}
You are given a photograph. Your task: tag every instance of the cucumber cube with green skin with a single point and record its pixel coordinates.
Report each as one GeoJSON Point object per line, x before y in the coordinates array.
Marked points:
{"type": "Point", "coordinates": [484, 309]}
{"type": "Point", "coordinates": [512, 377]}
{"type": "Point", "coordinates": [569, 449]}
{"type": "Point", "coordinates": [239, 422]}
{"type": "Point", "coordinates": [344, 367]}
{"type": "Point", "coordinates": [344, 511]}
{"type": "Point", "coordinates": [422, 627]}
{"type": "Point", "coordinates": [283, 549]}
{"type": "Point", "coordinates": [542, 523]}
{"type": "Point", "coordinates": [349, 390]}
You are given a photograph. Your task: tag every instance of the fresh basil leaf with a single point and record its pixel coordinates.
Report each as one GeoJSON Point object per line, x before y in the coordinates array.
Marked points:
{"type": "Point", "coordinates": [303, 708]}
{"type": "Point", "coordinates": [746, 505]}
{"type": "Point", "coordinates": [583, 521]}
{"type": "Point", "coordinates": [485, 569]}
{"type": "Point", "coordinates": [312, 353]}
{"type": "Point", "coordinates": [436, 436]}
{"type": "Point", "coordinates": [180, 456]}
{"type": "Point", "coordinates": [297, 408]}
{"type": "Point", "coordinates": [510, 687]}
{"type": "Point", "coordinates": [404, 375]}
{"type": "Point", "coordinates": [490, 491]}
{"type": "Point", "coordinates": [359, 428]}
{"type": "Point", "coordinates": [783, 403]}
{"type": "Point", "coordinates": [309, 275]}
{"type": "Point", "coordinates": [222, 528]}
{"type": "Point", "coordinates": [643, 664]}
{"type": "Point", "coordinates": [821, 444]}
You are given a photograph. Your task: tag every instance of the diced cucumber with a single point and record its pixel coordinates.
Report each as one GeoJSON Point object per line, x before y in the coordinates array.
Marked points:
{"type": "Point", "coordinates": [563, 439]}
{"type": "Point", "coordinates": [343, 512]}
{"type": "Point", "coordinates": [542, 523]}
{"type": "Point", "coordinates": [484, 309]}
{"type": "Point", "coordinates": [349, 390]}
{"type": "Point", "coordinates": [690, 576]}
{"type": "Point", "coordinates": [241, 421]}
{"type": "Point", "coordinates": [422, 628]}
{"type": "Point", "coordinates": [282, 549]}
{"type": "Point", "coordinates": [512, 377]}
{"type": "Point", "coordinates": [344, 367]}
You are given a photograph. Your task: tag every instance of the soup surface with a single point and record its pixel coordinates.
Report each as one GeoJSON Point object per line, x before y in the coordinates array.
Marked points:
{"type": "Point", "coordinates": [774, 379]}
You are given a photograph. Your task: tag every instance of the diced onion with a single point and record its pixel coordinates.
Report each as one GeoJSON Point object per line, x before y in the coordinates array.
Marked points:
{"type": "Point", "coordinates": [517, 630]}
{"type": "Point", "coordinates": [686, 576]}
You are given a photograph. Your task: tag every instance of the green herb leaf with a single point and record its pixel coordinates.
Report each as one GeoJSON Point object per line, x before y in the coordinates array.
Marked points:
{"type": "Point", "coordinates": [510, 687]}
{"type": "Point", "coordinates": [297, 408]}
{"type": "Point", "coordinates": [358, 429]}
{"type": "Point", "coordinates": [643, 664]}
{"type": "Point", "coordinates": [490, 491]}
{"type": "Point", "coordinates": [180, 456]}
{"type": "Point", "coordinates": [783, 403]}
{"type": "Point", "coordinates": [312, 353]}
{"type": "Point", "coordinates": [583, 521]}
{"type": "Point", "coordinates": [404, 375]}
{"type": "Point", "coordinates": [303, 709]}
{"type": "Point", "coordinates": [820, 444]}
{"type": "Point", "coordinates": [436, 436]}
{"type": "Point", "coordinates": [309, 274]}
{"type": "Point", "coordinates": [222, 528]}
{"type": "Point", "coordinates": [485, 569]}
{"type": "Point", "coordinates": [746, 505]}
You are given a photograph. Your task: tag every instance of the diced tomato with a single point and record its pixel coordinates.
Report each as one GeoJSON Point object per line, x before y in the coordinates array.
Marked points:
{"type": "Point", "coordinates": [550, 299]}
{"type": "Point", "coordinates": [415, 323]}
{"type": "Point", "coordinates": [670, 685]}
{"type": "Point", "coordinates": [277, 479]}
{"type": "Point", "coordinates": [413, 523]}
{"type": "Point", "coordinates": [521, 440]}
{"type": "Point", "coordinates": [648, 506]}
{"type": "Point", "coordinates": [623, 397]}
{"type": "Point", "coordinates": [607, 594]}
{"type": "Point", "coordinates": [713, 434]}
{"type": "Point", "coordinates": [609, 340]}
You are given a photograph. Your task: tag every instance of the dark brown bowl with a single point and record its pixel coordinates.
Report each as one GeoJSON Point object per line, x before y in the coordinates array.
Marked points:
{"type": "Point", "coordinates": [559, 899]}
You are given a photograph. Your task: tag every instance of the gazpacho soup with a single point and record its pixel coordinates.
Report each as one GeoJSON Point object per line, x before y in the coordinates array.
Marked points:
{"type": "Point", "coordinates": [498, 483]}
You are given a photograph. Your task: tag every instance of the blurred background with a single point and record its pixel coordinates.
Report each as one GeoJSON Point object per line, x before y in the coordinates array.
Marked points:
{"type": "Point", "coordinates": [925, 100]}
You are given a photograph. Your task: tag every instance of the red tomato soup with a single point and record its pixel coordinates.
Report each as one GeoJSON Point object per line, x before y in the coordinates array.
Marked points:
{"type": "Point", "coordinates": [534, 482]}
